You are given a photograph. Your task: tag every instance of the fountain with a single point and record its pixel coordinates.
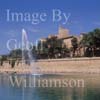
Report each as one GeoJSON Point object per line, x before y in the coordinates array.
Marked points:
{"type": "Point", "coordinates": [26, 52]}
{"type": "Point", "coordinates": [27, 57]}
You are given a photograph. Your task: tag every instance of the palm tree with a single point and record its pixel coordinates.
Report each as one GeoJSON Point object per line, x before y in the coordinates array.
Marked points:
{"type": "Point", "coordinates": [91, 40]}
{"type": "Point", "coordinates": [74, 43]}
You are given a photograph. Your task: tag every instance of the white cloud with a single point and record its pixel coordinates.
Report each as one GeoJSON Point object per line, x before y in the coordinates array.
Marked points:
{"type": "Point", "coordinates": [31, 29]}
{"type": "Point", "coordinates": [12, 33]}
{"type": "Point", "coordinates": [96, 23]}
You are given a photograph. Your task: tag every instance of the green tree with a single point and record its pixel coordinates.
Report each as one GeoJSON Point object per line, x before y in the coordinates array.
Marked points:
{"type": "Point", "coordinates": [74, 43]}
{"type": "Point", "coordinates": [16, 54]}
{"type": "Point", "coordinates": [91, 40]}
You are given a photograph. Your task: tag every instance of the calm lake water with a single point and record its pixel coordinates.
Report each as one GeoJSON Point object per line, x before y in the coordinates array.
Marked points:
{"type": "Point", "coordinates": [70, 90]}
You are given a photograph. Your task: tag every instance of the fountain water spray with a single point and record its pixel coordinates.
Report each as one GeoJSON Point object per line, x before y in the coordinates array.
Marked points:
{"type": "Point", "coordinates": [27, 56]}
{"type": "Point", "coordinates": [26, 51]}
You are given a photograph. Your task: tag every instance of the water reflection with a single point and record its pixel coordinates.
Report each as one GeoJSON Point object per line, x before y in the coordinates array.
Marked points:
{"type": "Point", "coordinates": [91, 91]}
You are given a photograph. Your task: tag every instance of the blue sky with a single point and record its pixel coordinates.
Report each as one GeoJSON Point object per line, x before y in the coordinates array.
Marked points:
{"type": "Point", "coordinates": [85, 16]}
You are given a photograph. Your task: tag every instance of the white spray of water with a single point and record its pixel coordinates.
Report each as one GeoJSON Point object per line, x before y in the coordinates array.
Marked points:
{"type": "Point", "coordinates": [26, 52]}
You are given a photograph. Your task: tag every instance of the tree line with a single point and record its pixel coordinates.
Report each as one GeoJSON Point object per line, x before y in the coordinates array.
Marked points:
{"type": "Point", "coordinates": [55, 48]}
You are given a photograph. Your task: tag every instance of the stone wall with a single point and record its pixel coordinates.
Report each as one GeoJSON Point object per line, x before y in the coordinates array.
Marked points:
{"type": "Point", "coordinates": [80, 65]}
{"type": "Point", "coordinates": [57, 66]}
